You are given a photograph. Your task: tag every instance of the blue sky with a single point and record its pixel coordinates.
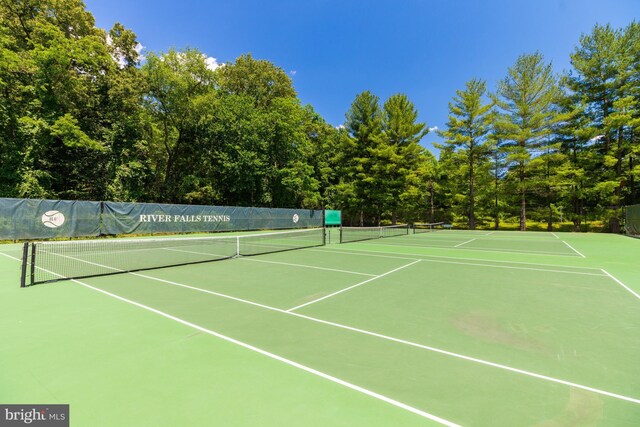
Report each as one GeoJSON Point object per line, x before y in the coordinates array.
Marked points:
{"type": "Point", "coordinates": [334, 50]}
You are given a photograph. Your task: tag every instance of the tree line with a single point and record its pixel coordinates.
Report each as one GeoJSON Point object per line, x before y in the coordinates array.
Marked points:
{"type": "Point", "coordinates": [84, 116]}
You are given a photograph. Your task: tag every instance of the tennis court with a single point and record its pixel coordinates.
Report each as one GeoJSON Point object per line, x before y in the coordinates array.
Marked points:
{"type": "Point", "coordinates": [471, 328]}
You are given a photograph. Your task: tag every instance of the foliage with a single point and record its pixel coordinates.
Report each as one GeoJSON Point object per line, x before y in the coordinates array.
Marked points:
{"type": "Point", "coordinates": [468, 129]}
{"type": "Point", "coordinates": [83, 115]}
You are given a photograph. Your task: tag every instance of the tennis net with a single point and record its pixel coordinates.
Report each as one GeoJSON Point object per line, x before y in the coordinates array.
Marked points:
{"type": "Point", "coordinates": [62, 260]}
{"type": "Point", "coordinates": [427, 227]}
{"type": "Point", "coordinates": [356, 234]}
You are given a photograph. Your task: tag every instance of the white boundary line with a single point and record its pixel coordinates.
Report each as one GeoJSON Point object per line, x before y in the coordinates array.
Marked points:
{"type": "Point", "coordinates": [12, 257]}
{"type": "Point", "coordinates": [278, 358]}
{"type": "Point", "coordinates": [427, 259]}
{"type": "Point", "coordinates": [305, 266]}
{"type": "Point", "coordinates": [9, 256]}
{"type": "Point", "coordinates": [514, 252]}
{"type": "Point", "coordinates": [512, 267]}
{"type": "Point", "coordinates": [573, 249]}
{"type": "Point", "coordinates": [621, 284]}
{"type": "Point", "coordinates": [539, 236]}
{"type": "Point", "coordinates": [554, 235]}
{"type": "Point", "coordinates": [464, 243]}
{"type": "Point", "coordinates": [261, 351]}
{"type": "Point", "coordinates": [362, 331]}
{"type": "Point", "coordinates": [244, 258]}
{"type": "Point", "coordinates": [355, 252]}
{"type": "Point", "coordinates": [401, 341]}
{"type": "Point", "coordinates": [351, 287]}
{"type": "Point", "coordinates": [369, 253]}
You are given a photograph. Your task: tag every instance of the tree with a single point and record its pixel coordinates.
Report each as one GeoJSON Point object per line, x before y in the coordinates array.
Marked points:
{"type": "Point", "coordinates": [324, 145]}
{"type": "Point", "coordinates": [258, 79]}
{"type": "Point", "coordinates": [364, 126]}
{"type": "Point", "coordinates": [604, 81]}
{"type": "Point", "coordinates": [261, 138]}
{"type": "Point", "coordinates": [467, 129]}
{"type": "Point", "coordinates": [180, 87]}
{"type": "Point", "coordinates": [60, 115]}
{"type": "Point", "coordinates": [400, 152]}
{"type": "Point", "coordinates": [421, 196]}
{"type": "Point", "coordinates": [497, 174]}
{"type": "Point", "coordinates": [525, 100]}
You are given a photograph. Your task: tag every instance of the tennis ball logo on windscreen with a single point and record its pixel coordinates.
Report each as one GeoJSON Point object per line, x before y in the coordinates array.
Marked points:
{"type": "Point", "coordinates": [295, 218]}
{"type": "Point", "coordinates": [53, 219]}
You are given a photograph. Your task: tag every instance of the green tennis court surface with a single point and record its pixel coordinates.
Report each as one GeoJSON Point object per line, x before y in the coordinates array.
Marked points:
{"type": "Point", "coordinates": [450, 327]}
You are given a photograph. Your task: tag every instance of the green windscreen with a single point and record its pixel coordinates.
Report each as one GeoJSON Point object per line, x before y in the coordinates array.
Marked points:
{"type": "Point", "coordinates": [149, 218]}
{"type": "Point", "coordinates": [46, 219]}
{"type": "Point", "coordinates": [632, 225]}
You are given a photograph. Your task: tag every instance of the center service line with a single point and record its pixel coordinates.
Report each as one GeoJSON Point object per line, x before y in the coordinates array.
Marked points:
{"type": "Point", "coordinates": [353, 286]}
{"type": "Point", "coordinates": [464, 243]}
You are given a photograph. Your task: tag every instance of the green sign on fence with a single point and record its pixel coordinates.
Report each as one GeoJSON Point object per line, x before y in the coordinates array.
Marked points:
{"type": "Point", "coordinates": [332, 217]}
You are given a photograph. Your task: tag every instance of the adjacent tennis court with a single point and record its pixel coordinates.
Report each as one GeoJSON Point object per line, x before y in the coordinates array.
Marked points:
{"type": "Point", "coordinates": [472, 328]}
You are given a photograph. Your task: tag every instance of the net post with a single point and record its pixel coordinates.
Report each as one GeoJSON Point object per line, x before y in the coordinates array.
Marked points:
{"type": "Point", "coordinates": [340, 233]}
{"type": "Point", "coordinates": [324, 227]}
{"type": "Point", "coordinates": [237, 246]}
{"type": "Point", "coordinates": [33, 263]}
{"type": "Point", "coordinates": [101, 228]}
{"type": "Point", "coordinates": [25, 260]}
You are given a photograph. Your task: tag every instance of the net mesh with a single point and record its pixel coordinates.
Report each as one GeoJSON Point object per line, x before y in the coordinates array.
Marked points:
{"type": "Point", "coordinates": [356, 234]}
{"type": "Point", "coordinates": [53, 261]}
{"type": "Point", "coordinates": [427, 227]}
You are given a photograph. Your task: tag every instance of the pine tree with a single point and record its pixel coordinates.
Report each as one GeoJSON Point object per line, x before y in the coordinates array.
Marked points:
{"type": "Point", "coordinates": [525, 100]}
{"type": "Point", "coordinates": [605, 81]}
{"type": "Point", "coordinates": [400, 151]}
{"type": "Point", "coordinates": [467, 129]}
{"type": "Point", "coordinates": [364, 126]}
